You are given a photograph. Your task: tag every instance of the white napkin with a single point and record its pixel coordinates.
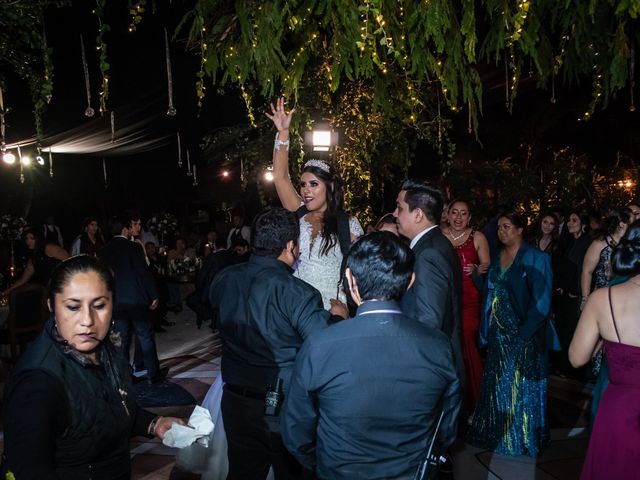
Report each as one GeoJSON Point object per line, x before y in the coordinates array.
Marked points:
{"type": "Point", "coordinates": [197, 429]}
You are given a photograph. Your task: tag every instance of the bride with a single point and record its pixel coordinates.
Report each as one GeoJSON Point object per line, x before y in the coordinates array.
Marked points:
{"type": "Point", "coordinates": [326, 232]}
{"type": "Point", "coordinates": [323, 228]}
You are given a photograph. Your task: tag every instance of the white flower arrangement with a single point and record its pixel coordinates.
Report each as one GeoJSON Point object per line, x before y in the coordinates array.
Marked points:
{"type": "Point", "coordinates": [179, 267]}
{"type": "Point", "coordinates": [11, 228]}
{"type": "Point", "coordinates": [163, 224]}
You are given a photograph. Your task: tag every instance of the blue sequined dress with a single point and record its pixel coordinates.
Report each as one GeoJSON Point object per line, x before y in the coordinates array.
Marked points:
{"type": "Point", "coordinates": [510, 418]}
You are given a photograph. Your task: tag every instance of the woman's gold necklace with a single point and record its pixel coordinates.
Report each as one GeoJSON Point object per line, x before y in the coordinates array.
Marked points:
{"type": "Point", "coordinates": [458, 237]}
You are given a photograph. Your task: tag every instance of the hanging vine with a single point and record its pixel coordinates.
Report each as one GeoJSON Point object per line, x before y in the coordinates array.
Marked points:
{"type": "Point", "coordinates": [136, 9]}
{"type": "Point", "coordinates": [101, 46]}
{"type": "Point", "coordinates": [24, 50]}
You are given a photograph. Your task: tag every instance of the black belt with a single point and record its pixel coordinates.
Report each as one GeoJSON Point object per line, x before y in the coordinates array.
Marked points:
{"type": "Point", "coordinates": [245, 392]}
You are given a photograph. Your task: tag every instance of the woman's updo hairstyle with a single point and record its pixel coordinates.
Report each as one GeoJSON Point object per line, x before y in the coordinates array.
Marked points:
{"type": "Point", "coordinates": [613, 220]}
{"type": "Point", "coordinates": [66, 269]}
{"type": "Point", "coordinates": [327, 174]}
{"type": "Point", "coordinates": [516, 220]}
{"type": "Point", "coordinates": [625, 260]}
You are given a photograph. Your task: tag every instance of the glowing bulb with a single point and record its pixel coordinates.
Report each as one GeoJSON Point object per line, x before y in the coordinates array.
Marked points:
{"type": "Point", "coordinates": [9, 158]}
{"type": "Point", "coordinates": [25, 160]}
{"type": "Point", "coordinates": [268, 176]}
{"type": "Point", "coordinates": [40, 160]}
{"type": "Point", "coordinates": [321, 140]}
{"type": "Point", "coordinates": [225, 173]}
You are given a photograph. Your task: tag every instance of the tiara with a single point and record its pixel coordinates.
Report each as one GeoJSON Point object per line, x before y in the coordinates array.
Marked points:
{"type": "Point", "coordinates": [314, 162]}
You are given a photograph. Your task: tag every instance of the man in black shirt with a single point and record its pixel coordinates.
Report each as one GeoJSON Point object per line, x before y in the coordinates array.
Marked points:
{"type": "Point", "coordinates": [264, 313]}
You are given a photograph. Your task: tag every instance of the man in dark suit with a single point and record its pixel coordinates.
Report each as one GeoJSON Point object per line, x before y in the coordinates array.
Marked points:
{"type": "Point", "coordinates": [135, 294]}
{"type": "Point", "coordinates": [366, 394]}
{"type": "Point", "coordinates": [198, 301]}
{"type": "Point", "coordinates": [435, 297]}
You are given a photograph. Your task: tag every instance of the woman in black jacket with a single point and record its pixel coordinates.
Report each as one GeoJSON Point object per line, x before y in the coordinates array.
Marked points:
{"type": "Point", "coordinates": [70, 409]}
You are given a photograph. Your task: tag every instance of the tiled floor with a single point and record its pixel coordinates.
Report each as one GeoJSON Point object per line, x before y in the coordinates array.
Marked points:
{"type": "Point", "coordinates": [194, 359]}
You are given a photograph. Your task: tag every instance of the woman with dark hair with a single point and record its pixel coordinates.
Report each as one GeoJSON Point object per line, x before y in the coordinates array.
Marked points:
{"type": "Point", "coordinates": [568, 266]}
{"type": "Point", "coordinates": [90, 240]}
{"type": "Point", "coordinates": [472, 249]}
{"type": "Point", "coordinates": [611, 314]}
{"type": "Point", "coordinates": [596, 267]}
{"type": "Point", "coordinates": [510, 418]}
{"type": "Point", "coordinates": [319, 205]}
{"type": "Point", "coordinates": [43, 260]}
{"type": "Point", "coordinates": [70, 408]}
{"type": "Point", "coordinates": [27, 249]}
{"type": "Point", "coordinates": [547, 233]}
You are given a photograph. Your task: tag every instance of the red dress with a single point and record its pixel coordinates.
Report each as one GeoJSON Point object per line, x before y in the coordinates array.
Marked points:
{"type": "Point", "coordinates": [470, 323]}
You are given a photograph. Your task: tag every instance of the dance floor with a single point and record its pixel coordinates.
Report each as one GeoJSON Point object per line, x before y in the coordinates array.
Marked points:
{"type": "Point", "coordinates": [194, 359]}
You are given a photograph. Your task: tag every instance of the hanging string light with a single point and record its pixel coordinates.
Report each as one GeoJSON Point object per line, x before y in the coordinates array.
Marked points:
{"type": "Point", "coordinates": [39, 157]}
{"type": "Point", "coordinates": [104, 172]}
{"type": "Point", "coordinates": [179, 150]}
{"type": "Point", "coordinates": [3, 144]}
{"type": "Point", "coordinates": [506, 83]}
{"type": "Point", "coordinates": [50, 164]}
{"type": "Point", "coordinates": [632, 77]}
{"type": "Point", "coordinates": [558, 61]}
{"type": "Point", "coordinates": [200, 88]}
{"type": "Point", "coordinates": [113, 126]}
{"type": "Point", "coordinates": [195, 178]}
{"type": "Point", "coordinates": [89, 112]}
{"type": "Point", "coordinates": [136, 12]}
{"type": "Point", "coordinates": [21, 165]}
{"type": "Point", "coordinates": [101, 46]}
{"type": "Point", "coordinates": [171, 111]}
{"type": "Point", "coordinates": [439, 124]}
{"type": "Point", "coordinates": [188, 164]}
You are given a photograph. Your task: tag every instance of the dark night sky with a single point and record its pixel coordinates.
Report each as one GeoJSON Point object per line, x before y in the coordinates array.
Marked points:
{"type": "Point", "coordinates": [152, 181]}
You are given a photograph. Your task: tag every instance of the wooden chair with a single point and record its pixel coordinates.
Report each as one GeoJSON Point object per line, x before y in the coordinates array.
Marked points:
{"type": "Point", "coordinates": [28, 313]}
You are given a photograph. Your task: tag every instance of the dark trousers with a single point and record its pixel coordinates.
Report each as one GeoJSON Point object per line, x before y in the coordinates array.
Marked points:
{"type": "Point", "coordinates": [567, 314]}
{"type": "Point", "coordinates": [139, 320]}
{"type": "Point", "coordinates": [254, 442]}
{"type": "Point", "coordinates": [202, 311]}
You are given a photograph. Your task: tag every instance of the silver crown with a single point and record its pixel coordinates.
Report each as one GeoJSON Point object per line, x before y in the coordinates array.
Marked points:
{"type": "Point", "coordinates": [314, 162]}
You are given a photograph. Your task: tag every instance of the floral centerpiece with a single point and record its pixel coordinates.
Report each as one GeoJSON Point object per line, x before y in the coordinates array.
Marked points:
{"type": "Point", "coordinates": [184, 267]}
{"type": "Point", "coordinates": [163, 225]}
{"type": "Point", "coordinates": [11, 227]}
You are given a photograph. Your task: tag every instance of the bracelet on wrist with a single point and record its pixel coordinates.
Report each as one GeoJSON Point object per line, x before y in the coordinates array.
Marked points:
{"type": "Point", "coordinates": [152, 426]}
{"type": "Point", "coordinates": [280, 143]}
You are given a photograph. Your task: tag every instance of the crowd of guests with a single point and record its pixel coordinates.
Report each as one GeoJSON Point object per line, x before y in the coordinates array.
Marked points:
{"type": "Point", "coordinates": [348, 355]}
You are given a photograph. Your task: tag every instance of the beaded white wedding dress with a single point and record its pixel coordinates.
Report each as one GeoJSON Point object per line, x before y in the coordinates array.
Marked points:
{"type": "Point", "coordinates": [210, 462]}
{"type": "Point", "coordinates": [322, 271]}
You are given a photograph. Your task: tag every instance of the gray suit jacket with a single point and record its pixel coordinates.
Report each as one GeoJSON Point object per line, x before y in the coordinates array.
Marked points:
{"type": "Point", "coordinates": [435, 298]}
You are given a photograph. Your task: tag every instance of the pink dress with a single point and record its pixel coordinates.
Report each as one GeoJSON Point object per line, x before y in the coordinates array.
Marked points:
{"type": "Point", "coordinates": [614, 446]}
{"type": "Point", "coordinates": [473, 364]}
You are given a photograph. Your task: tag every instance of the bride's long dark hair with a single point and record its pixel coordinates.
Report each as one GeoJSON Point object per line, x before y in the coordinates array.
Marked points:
{"type": "Point", "coordinates": [335, 203]}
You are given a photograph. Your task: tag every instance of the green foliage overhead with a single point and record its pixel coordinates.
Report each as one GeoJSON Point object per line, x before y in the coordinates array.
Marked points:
{"type": "Point", "coordinates": [430, 45]}
{"type": "Point", "coordinates": [24, 50]}
{"type": "Point", "coordinates": [416, 64]}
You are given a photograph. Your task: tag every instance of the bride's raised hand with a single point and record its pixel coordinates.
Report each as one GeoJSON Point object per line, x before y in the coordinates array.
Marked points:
{"type": "Point", "coordinates": [280, 118]}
